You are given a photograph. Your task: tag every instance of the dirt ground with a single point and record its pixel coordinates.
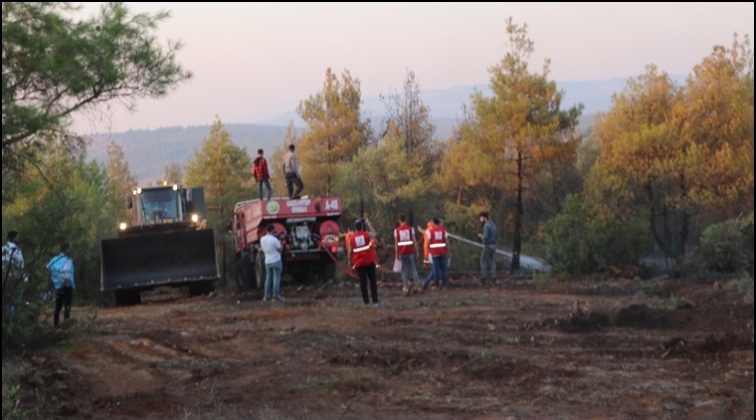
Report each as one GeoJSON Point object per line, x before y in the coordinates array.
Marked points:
{"type": "Point", "coordinates": [612, 349]}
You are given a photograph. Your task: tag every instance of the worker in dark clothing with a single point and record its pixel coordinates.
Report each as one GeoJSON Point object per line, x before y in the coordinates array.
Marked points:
{"type": "Point", "coordinates": [488, 254]}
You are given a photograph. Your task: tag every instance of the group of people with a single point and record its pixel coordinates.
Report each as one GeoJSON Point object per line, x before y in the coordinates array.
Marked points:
{"type": "Point", "coordinates": [364, 260]}
{"type": "Point", "coordinates": [362, 255]}
{"type": "Point", "coordinates": [437, 253]}
{"type": "Point", "coordinates": [361, 252]}
{"type": "Point", "coordinates": [290, 170]}
{"type": "Point", "coordinates": [60, 269]}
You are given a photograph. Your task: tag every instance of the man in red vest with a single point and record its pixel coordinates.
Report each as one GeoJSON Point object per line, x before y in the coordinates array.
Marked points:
{"type": "Point", "coordinates": [363, 257]}
{"type": "Point", "coordinates": [439, 252]}
{"type": "Point", "coordinates": [406, 251]}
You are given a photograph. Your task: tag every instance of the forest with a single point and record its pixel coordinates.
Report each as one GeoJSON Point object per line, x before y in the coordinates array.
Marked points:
{"type": "Point", "coordinates": [646, 220]}
{"type": "Point", "coordinates": [662, 183]}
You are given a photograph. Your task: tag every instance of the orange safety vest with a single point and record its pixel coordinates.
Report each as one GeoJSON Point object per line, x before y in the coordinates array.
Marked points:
{"type": "Point", "coordinates": [426, 241]}
{"type": "Point", "coordinates": [347, 238]}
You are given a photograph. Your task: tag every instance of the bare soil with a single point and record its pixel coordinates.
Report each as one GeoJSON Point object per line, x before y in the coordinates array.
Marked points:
{"type": "Point", "coordinates": [517, 350]}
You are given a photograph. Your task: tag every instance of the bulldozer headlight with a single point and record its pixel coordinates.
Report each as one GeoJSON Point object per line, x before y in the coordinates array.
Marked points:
{"type": "Point", "coordinates": [195, 217]}
{"type": "Point", "coordinates": [175, 187]}
{"type": "Point", "coordinates": [122, 226]}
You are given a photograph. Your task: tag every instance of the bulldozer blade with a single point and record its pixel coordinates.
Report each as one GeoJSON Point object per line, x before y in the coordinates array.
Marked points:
{"type": "Point", "coordinates": [158, 259]}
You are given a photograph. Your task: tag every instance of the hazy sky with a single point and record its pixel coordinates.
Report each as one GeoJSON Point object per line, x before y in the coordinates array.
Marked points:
{"type": "Point", "coordinates": [254, 61]}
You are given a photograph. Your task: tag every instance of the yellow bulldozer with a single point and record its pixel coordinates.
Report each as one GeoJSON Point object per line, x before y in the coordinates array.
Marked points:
{"type": "Point", "coordinates": [166, 243]}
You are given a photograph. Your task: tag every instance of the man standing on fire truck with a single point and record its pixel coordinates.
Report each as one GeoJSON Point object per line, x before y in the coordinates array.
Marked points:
{"type": "Point", "coordinates": [363, 256]}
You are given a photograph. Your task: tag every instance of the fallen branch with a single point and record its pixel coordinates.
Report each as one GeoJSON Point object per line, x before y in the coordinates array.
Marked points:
{"type": "Point", "coordinates": [347, 408]}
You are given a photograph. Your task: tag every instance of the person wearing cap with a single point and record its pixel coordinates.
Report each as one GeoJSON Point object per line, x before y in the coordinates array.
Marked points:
{"type": "Point", "coordinates": [363, 256]}
{"type": "Point", "coordinates": [488, 254]}
{"type": "Point", "coordinates": [262, 176]}
{"type": "Point", "coordinates": [61, 270]}
{"type": "Point", "coordinates": [439, 251]}
{"type": "Point", "coordinates": [406, 250]}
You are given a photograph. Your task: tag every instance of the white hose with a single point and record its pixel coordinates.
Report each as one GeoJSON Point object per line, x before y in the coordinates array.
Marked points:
{"type": "Point", "coordinates": [525, 260]}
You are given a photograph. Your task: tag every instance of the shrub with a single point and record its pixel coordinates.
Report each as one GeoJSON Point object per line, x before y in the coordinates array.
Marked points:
{"type": "Point", "coordinates": [581, 240]}
{"type": "Point", "coordinates": [726, 247]}
{"type": "Point", "coordinates": [11, 401]}
{"type": "Point", "coordinates": [26, 316]}
{"type": "Point", "coordinates": [745, 284]}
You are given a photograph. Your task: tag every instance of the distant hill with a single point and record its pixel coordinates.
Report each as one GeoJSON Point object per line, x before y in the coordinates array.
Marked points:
{"type": "Point", "coordinates": [447, 104]}
{"type": "Point", "coordinates": [150, 151]}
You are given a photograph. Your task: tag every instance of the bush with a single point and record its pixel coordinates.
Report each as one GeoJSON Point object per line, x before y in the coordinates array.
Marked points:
{"type": "Point", "coordinates": [745, 284]}
{"type": "Point", "coordinates": [726, 247]}
{"type": "Point", "coordinates": [11, 401]}
{"type": "Point", "coordinates": [581, 241]}
{"type": "Point", "coordinates": [26, 316]}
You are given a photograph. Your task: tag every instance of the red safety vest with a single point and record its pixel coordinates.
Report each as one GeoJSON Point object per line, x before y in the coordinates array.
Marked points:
{"type": "Point", "coordinates": [405, 240]}
{"type": "Point", "coordinates": [437, 245]}
{"type": "Point", "coordinates": [363, 252]}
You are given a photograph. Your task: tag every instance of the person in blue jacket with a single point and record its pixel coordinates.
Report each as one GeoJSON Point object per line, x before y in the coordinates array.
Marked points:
{"type": "Point", "coordinates": [61, 269]}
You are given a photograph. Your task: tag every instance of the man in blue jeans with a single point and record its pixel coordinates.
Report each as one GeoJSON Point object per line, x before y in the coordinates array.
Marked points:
{"type": "Point", "coordinates": [291, 173]}
{"type": "Point", "coordinates": [431, 273]}
{"type": "Point", "coordinates": [406, 251]}
{"type": "Point", "coordinates": [439, 253]}
{"type": "Point", "coordinates": [262, 176]}
{"type": "Point", "coordinates": [62, 276]}
{"type": "Point", "coordinates": [271, 246]}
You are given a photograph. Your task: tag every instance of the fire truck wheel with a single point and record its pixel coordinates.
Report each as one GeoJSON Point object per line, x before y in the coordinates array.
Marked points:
{"type": "Point", "coordinates": [328, 270]}
{"type": "Point", "coordinates": [260, 270]}
{"type": "Point", "coordinates": [243, 276]}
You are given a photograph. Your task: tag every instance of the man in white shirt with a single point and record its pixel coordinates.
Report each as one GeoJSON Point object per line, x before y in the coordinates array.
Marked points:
{"type": "Point", "coordinates": [13, 259]}
{"type": "Point", "coordinates": [271, 246]}
{"type": "Point", "coordinates": [14, 272]}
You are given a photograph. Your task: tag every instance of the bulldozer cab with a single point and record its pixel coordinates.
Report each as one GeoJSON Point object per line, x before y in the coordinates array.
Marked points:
{"type": "Point", "coordinates": [158, 205]}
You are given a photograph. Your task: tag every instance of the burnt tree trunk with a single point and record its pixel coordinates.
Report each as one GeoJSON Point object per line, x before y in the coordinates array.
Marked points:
{"type": "Point", "coordinates": [518, 217]}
